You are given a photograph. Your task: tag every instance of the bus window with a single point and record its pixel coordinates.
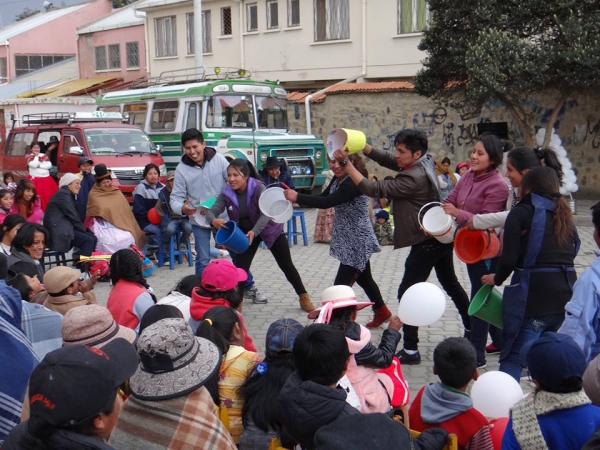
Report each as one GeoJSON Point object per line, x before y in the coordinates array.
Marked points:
{"type": "Point", "coordinates": [164, 116]}
{"type": "Point", "coordinates": [192, 116]}
{"type": "Point", "coordinates": [271, 112]}
{"type": "Point", "coordinates": [114, 108]}
{"type": "Point", "coordinates": [230, 111]}
{"type": "Point", "coordinates": [137, 114]}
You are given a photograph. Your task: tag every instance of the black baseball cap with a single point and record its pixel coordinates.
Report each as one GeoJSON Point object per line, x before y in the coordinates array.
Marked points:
{"type": "Point", "coordinates": [83, 160]}
{"type": "Point", "coordinates": [76, 383]}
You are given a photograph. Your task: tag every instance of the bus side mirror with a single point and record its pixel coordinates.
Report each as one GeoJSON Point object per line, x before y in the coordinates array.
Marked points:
{"type": "Point", "coordinates": [159, 148]}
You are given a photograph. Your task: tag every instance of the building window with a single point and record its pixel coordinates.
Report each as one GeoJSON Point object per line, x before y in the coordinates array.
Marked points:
{"type": "Point", "coordinates": [413, 16]}
{"type": "Point", "coordinates": [166, 36]}
{"type": "Point", "coordinates": [293, 13]}
{"type": "Point", "coordinates": [132, 50]}
{"type": "Point", "coordinates": [114, 56]}
{"type": "Point", "coordinates": [332, 20]}
{"type": "Point", "coordinates": [3, 70]}
{"type": "Point", "coordinates": [272, 14]}
{"type": "Point", "coordinates": [226, 22]}
{"type": "Point", "coordinates": [101, 60]}
{"type": "Point", "coordinates": [206, 33]}
{"type": "Point", "coordinates": [25, 64]}
{"type": "Point", "coordinates": [251, 17]}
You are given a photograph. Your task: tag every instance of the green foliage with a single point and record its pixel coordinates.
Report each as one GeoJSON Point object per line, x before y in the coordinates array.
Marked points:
{"type": "Point", "coordinates": [27, 12]}
{"type": "Point", "coordinates": [121, 3]}
{"type": "Point", "coordinates": [482, 50]}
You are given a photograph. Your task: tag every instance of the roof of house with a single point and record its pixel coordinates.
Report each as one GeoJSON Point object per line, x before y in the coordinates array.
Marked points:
{"type": "Point", "coordinates": [35, 21]}
{"type": "Point", "coordinates": [119, 18]}
{"type": "Point", "coordinates": [347, 88]}
{"type": "Point", "coordinates": [145, 4]}
{"type": "Point", "coordinates": [56, 73]}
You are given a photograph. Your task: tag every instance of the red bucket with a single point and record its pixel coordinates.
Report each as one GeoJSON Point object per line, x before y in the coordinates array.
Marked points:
{"type": "Point", "coordinates": [473, 246]}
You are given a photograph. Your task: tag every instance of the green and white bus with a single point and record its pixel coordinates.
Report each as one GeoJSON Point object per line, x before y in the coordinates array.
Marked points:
{"type": "Point", "coordinates": [239, 117]}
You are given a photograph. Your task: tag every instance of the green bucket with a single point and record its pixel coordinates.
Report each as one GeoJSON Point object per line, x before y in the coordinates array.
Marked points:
{"type": "Point", "coordinates": [487, 305]}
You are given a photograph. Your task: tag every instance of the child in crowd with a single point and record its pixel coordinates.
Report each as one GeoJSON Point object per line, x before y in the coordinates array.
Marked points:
{"type": "Point", "coordinates": [6, 203]}
{"type": "Point", "coordinates": [39, 173]}
{"type": "Point", "coordinates": [159, 312]}
{"type": "Point", "coordinates": [27, 282]}
{"type": "Point", "coordinates": [9, 182]}
{"type": "Point", "coordinates": [220, 286]}
{"type": "Point", "coordinates": [131, 296]}
{"type": "Point", "coordinates": [171, 222]}
{"type": "Point", "coordinates": [8, 230]}
{"type": "Point", "coordinates": [377, 392]}
{"type": "Point", "coordinates": [260, 414]}
{"type": "Point", "coordinates": [383, 228]}
{"type": "Point", "coordinates": [582, 318]}
{"type": "Point", "coordinates": [310, 398]}
{"type": "Point", "coordinates": [85, 165]}
{"type": "Point", "coordinates": [558, 415]}
{"type": "Point", "coordinates": [63, 287]}
{"type": "Point", "coordinates": [446, 404]}
{"type": "Point", "coordinates": [222, 326]}
{"type": "Point", "coordinates": [181, 295]}
{"type": "Point", "coordinates": [26, 202]}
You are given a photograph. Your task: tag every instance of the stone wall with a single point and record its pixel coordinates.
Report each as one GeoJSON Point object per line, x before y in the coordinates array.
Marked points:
{"type": "Point", "coordinates": [452, 131]}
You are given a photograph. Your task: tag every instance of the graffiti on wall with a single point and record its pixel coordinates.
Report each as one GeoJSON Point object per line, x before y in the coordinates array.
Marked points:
{"type": "Point", "coordinates": [587, 132]}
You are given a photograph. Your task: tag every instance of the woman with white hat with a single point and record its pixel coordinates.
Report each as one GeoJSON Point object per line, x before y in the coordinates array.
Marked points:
{"type": "Point", "coordinates": [62, 219]}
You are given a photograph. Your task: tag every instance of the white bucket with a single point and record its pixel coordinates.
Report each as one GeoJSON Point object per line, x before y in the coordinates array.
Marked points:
{"type": "Point", "coordinates": [437, 223]}
{"type": "Point", "coordinates": [273, 204]}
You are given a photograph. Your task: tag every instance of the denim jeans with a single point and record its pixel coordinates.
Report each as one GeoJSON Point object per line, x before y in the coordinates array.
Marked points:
{"type": "Point", "coordinates": [182, 226]}
{"type": "Point", "coordinates": [153, 236]}
{"type": "Point", "coordinates": [202, 243]}
{"type": "Point", "coordinates": [531, 328]}
{"type": "Point", "coordinates": [423, 257]}
{"type": "Point", "coordinates": [480, 328]}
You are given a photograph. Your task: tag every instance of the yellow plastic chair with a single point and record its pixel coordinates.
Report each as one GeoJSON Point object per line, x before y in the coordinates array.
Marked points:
{"type": "Point", "coordinates": [452, 443]}
{"type": "Point", "coordinates": [275, 444]}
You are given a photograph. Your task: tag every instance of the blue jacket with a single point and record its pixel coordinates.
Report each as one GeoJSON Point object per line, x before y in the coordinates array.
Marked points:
{"type": "Point", "coordinates": [284, 177]}
{"type": "Point", "coordinates": [87, 182]}
{"type": "Point", "coordinates": [563, 429]}
{"type": "Point", "coordinates": [145, 197]}
{"type": "Point", "coordinates": [582, 317]}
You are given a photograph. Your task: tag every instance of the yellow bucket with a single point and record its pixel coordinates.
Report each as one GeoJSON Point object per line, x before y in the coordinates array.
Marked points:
{"type": "Point", "coordinates": [352, 141]}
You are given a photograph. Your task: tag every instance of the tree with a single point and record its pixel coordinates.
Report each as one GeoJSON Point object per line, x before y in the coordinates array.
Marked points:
{"type": "Point", "coordinates": [27, 12]}
{"type": "Point", "coordinates": [121, 3]}
{"type": "Point", "coordinates": [508, 50]}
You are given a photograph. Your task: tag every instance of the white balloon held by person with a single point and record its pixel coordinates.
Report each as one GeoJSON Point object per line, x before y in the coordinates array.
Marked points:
{"type": "Point", "coordinates": [421, 305]}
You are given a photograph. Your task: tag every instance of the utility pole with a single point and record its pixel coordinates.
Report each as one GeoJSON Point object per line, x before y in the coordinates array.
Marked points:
{"type": "Point", "coordinates": [198, 33]}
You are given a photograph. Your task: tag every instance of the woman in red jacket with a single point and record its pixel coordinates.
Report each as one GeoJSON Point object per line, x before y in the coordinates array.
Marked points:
{"type": "Point", "coordinates": [480, 190]}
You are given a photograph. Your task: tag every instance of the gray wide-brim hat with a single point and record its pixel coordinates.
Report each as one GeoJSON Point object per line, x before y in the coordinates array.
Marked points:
{"type": "Point", "coordinates": [173, 362]}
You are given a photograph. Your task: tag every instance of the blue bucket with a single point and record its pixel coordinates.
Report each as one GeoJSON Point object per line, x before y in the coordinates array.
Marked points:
{"type": "Point", "coordinates": [233, 238]}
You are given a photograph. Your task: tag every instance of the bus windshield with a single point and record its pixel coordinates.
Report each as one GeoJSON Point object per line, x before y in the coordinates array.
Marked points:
{"type": "Point", "coordinates": [118, 141]}
{"type": "Point", "coordinates": [271, 112]}
{"type": "Point", "coordinates": [237, 111]}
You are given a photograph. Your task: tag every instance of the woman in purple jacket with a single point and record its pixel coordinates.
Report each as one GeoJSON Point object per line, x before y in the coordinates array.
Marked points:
{"type": "Point", "coordinates": [240, 199]}
{"type": "Point", "coordinates": [481, 190]}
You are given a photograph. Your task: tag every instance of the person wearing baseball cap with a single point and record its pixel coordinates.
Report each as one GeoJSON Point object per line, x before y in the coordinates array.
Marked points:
{"type": "Point", "coordinates": [558, 415]}
{"type": "Point", "coordinates": [73, 396]}
{"type": "Point", "coordinates": [85, 164]}
{"type": "Point", "coordinates": [220, 287]}
{"type": "Point", "coordinates": [62, 285]}
{"type": "Point", "coordinates": [262, 387]}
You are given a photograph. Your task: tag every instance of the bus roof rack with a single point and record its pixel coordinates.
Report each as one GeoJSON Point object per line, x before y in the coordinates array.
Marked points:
{"type": "Point", "coordinates": [70, 117]}
{"type": "Point", "coordinates": [191, 75]}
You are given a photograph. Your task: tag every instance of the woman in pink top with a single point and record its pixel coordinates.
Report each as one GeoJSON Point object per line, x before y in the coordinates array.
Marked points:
{"type": "Point", "coordinates": [27, 203]}
{"type": "Point", "coordinates": [480, 190]}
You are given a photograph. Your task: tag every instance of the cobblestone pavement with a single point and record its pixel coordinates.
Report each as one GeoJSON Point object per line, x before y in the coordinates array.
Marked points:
{"type": "Point", "coordinates": [318, 269]}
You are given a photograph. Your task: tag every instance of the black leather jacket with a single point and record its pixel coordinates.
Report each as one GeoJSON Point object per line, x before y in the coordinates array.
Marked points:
{"type": "Point", "coordinates": [379, 357]}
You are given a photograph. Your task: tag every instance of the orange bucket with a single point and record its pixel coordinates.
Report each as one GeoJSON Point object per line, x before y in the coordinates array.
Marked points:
{"type": "Point", "coordinates": [473, 246]}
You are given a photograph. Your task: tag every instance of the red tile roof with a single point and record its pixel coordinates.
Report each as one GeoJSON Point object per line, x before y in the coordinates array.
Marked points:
{"type": "Point", "coordinates": [345, 88]}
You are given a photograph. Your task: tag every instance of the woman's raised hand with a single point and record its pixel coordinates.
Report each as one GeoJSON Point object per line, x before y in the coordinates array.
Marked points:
{"type": "Point", "coordinates": [218, 223]}
{"type": "Point", "coordinates": [291, 195]}
{"type": "Point", "coordinates": [450, 209]}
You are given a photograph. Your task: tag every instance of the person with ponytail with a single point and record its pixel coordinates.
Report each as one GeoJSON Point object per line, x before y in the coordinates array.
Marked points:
{"type": "Point", "coordinates": [481, 190]}
{"type": "Point", "coordinates": [240, 200]}
{"type": "Point", "coordinates": [539, 247]}
{"type": "Point", "coordinates": [518, 162]}
{"type": "Point", "coordinates": [222, 326]}
{"type": "Point", "coordinates": [131, 296]}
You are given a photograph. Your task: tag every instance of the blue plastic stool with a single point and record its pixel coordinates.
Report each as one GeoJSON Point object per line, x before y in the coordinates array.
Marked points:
{"type": "Point", "coordinates": [174, 252]}
{"type": "Point", "coordinates": [292, 229]}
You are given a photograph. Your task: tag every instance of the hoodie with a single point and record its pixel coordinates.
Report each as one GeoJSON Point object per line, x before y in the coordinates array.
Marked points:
{"type": "Point", "coordinates": [198, 183]}
{"type": "Point", "coordinates": [582, 317]}
{"type": "Point", "coordinates": [439, 406]}
{"type": "Point", "coordinates": [306, 406]}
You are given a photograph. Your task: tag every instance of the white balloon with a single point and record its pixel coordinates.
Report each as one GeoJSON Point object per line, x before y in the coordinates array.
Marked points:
{"type": "Point", "coordinates": [422, 304]}
{"type": "Point", "coordinates": [494, 393]}
{"type": "Point", "coordinates": [563, 191]}
{"type": "Point", "coordinates": [575, 188]}
{"type": "Point", "coordinates": [566, 164]}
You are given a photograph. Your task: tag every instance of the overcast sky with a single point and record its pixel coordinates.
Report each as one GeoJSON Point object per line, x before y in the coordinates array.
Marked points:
{"type": "Point", "coordinates": [10, 8]}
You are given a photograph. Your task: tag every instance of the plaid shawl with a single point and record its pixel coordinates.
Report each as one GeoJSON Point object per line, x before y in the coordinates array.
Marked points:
{"type": "Point", "coordinates": [180, 423]}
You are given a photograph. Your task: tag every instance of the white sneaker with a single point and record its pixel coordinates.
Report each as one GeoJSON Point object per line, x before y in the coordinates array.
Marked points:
{"type": "Point", "coordinates": [252, 293]}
